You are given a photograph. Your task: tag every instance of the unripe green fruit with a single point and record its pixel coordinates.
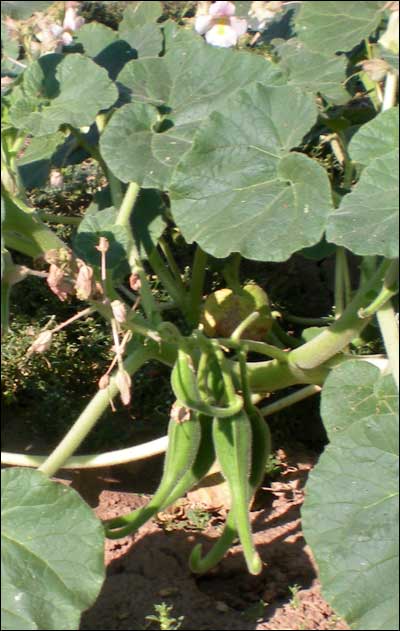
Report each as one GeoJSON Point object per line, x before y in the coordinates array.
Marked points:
{"type": "Point", "coordinates": [224, 310]}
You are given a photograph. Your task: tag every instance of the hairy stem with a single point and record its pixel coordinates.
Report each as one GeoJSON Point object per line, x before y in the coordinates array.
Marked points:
{"type": "Point", "coordinates": [90, 415]}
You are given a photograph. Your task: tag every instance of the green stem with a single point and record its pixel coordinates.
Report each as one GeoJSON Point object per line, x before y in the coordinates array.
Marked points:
{"type": "Point", "coordinates": [175, 289]}
{"type": "Point", "coordinates": [90, 416]}
{"type": "Point", "coordinates": [240, 329]}
{"type": "Point", "coordinates": [308, 321]}
{"type": "Point", "coordinates": [28, 225]}
{"type": "Point", "coordinates": [114, 183]}
{"type": "Point", "coordinates": [256, 347]}
{"type": "Point", "coordinates": [231, 273]}
{"type": "Point", "coordinates": [339, 285]}
{"type": "Point", "coordinates": [59, 219]}
{"type": "Point", "coordinates": [107, 459]}
{"type": "Point", "coordinates": [171, 261]}
{"type": "Point", "coordinates": [197, 286]}
{"type": "Point", "coordinates": [334, 339]}
{"type": "Point", "coordinates": [123, 219]}
{"type": "Point", "coordinates": [283, 337]}
{"type": "Point", "coordinates": [390, 333]}
{"type": "Point", "coordinates": [291, 399]}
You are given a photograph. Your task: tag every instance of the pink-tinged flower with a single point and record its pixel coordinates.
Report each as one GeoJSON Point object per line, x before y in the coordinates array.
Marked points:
{"type": "Point", "coordinates": [220, 26]}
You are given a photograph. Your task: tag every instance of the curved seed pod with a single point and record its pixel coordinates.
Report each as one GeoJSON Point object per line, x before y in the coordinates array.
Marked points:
{"type": "Point", "coordinates": [204, 460]}
{"type": "Point", "coordinates": [233, 446]}
{"type": "Point", "coordinates": [261, 448]}
{"type": "Point", "coordinates": [184, 441]}
{"type": "Point", "coordinates": [184, 385]}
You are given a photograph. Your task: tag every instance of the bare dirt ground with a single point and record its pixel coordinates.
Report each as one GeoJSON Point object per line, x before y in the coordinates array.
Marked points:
{"type": "Point", "coordinates": [151, 567]}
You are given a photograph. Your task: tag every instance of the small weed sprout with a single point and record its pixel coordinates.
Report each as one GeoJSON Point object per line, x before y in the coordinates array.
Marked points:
{"type": "Point", "coordinates": [163, 617]}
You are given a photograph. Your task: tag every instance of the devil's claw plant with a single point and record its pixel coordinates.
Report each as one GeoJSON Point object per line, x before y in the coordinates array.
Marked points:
{"type": "Point", "coordinates": [258, 145]}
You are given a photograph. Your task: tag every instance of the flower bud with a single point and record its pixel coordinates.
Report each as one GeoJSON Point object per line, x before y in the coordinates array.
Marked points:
{"type": "Point", "coordinates": [42, 343]}
{"type": "Point", "coordinates": [124, 382]}
{"type": "Point", "coordinates": [104, 382]}
{"type": "Point", "coordinates": [83, 283]}
{"type": "Point", "coordinates": [103, 245]}
{"type": "Point", "coordinates": [135, 282]}
{"type": "Point", "coordinates": [119, 311]}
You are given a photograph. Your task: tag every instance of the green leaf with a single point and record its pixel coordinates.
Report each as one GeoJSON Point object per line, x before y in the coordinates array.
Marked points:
{"type": "Point", "coordinates": [350, 515]}
{"type": "Point", "coordinates": [376, 138]}
{"type": "Point", "coordinates": [187, 84]}
{"type": "Point", "coordinates": [54, 94]}
{"type": "Point", "coordinates": [367, 221]}
{"type": "Point", "coordinates": [102, 224]}
{"type": "Point", "coordinates": [148, 222]}
{"type": "Point", "coordinates": [21, 10]}
{"type": "Point", "coordinates": [102, 44]}
{"type": "Point", "coordinates": [34, 165]}
{"type": "Point", "coordinates": [147, 40]}
{"type": "Point", "coordinates": [9, 52]}
{"type": "Point", "coordinates": [52, 553]}
{"type": "Point", "coordinates": [241, 189]}
{"type": "Point", "coordinates": [140, 14]}
{"type": "Point", "coordinates": [95, 37]}
{"type": "Point", "coordinates": [330, 27]}
{"type": "Point", "coordinates": [314, 71]}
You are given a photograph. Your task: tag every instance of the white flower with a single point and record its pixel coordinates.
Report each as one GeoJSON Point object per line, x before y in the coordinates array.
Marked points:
{"type": "Point", "coordinates": [54, 36]}
{"type": "Point", "coordinates": [219, 25]}
{"type": "Point", "coordinates": [390, 38]}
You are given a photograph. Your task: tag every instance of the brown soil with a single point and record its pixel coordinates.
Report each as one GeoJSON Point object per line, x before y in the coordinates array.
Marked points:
{"type": "Point", "coordinates": [151, 567]}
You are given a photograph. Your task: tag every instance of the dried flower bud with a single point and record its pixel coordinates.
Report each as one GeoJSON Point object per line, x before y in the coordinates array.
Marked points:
{"type": "Point", "coordinates": [135, 282]}
{"type": "Point", "coordinates": [83, 283]}
{"type": "Point", "coordinates": [376, 69]}
{"type": "Point", "coordinates": [119, 311]}
{"type": "Point", "coordinates": [104, 245]}
{"type": "Point", "coordinates": [124, 383]}
{"type": "Point", "coordinates": [179, 413]}
{"type": "Point", "coordinates": [42, 343]}
{"type": "Point", "coordinates": [104, 382]}
{"type": "Point", "coordinates": [58, 283]}
{"type": "Point", "coordinates": [56, 179]}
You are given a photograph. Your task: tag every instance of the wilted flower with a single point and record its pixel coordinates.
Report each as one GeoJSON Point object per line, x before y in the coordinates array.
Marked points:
{"type": "Point", "coordinates": [219, 25]}
{"type": "Point", "coordinates": [135, 282]}
{"type": "Point", "coordinates": [264, 12]}
{"type": "Point", "coordinates": [42, 343]}
{"type": "Point", "coordinates": [124, 383]}
{"type": "Point", "coordinates": [84, 281]}
{"type": "Point", "coordinates": [54, 36]}
{"type": "Point", "coordinates": [58, 283]}
{"type": "Point", "coordinates": [376, 69]}
{"type": "Point", "coordinates": [56, 179]}
{"type": "Point", "coordinates": [390, 38]}
{"type": "Point", "coordinates": [119, 311]}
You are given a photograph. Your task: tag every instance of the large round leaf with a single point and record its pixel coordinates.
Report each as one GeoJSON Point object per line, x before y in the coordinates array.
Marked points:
{"type": "Point", "coordinates": [52, 557]}
{"type": "Point", "coordinates": [62, 91]}
{"type": "Point", "coordinates": [328, 27]}
{"type": "Point", "coordinates": [241, 189]}
{"type": "Point", "coordinates": [350, 515]}
{"type": "Point", "coordinates": [367, 220]}
{"type": "Point", "coordinates": [190, 82]}
{"type": "Point", "coordinates": [314, 71]}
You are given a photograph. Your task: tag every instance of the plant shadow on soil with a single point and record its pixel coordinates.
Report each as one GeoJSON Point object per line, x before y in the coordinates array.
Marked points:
{"type": "Point", "coordinates": [152, 567]}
